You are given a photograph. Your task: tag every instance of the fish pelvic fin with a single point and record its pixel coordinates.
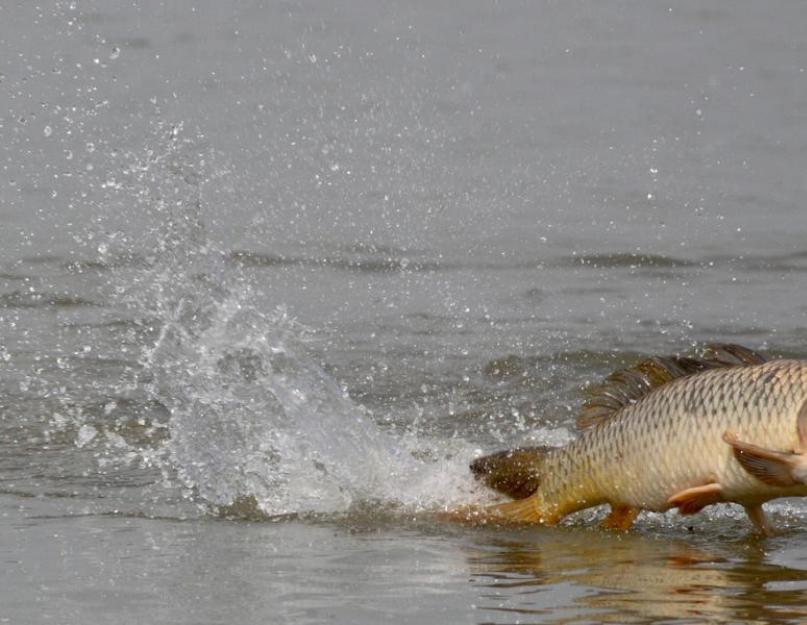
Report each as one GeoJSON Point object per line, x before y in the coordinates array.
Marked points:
{"type": "Point", "coordinates": [515, 473]}
{"type": "Point", "coordinates": [760, 521]}
{"type": "Point", "coordinates": [775, 468]}
{"type": "Point", "coordinates": [620, 518]}
{"type": "Point", "coordinates": [693, 500]}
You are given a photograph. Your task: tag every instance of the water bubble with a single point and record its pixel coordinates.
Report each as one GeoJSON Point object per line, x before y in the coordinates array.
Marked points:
{"type": "Point", "coordinates": [47, 131]}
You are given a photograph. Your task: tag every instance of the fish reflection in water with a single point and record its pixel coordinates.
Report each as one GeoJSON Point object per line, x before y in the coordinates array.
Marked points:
{"type": "Point", "coordinates": [632, 578]}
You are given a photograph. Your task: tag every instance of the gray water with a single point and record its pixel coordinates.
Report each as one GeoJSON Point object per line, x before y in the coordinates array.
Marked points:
{"type": "Point", "coordinates": [273, 273]}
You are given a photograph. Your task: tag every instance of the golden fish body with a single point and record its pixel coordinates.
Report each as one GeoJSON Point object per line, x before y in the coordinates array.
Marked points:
{"type": "Point", "coordinates": [723, 434]}
{"type": "Point", "coordinates": [672, 440]}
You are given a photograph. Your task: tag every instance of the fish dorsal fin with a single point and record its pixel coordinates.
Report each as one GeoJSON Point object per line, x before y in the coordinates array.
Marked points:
{"type": "Point", "coordinates": [625, 387]}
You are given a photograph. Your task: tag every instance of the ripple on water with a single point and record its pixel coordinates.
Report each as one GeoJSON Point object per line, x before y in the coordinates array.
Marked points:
{"type": "Point", "coordinates": [38, 299]}
{"type": "Point", "coordinates": [364, 263]}
{"type": "Point", "coordinates": [622, 260]}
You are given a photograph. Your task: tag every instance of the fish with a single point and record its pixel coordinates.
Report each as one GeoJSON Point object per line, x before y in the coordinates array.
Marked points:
{"type": "Point", "coordinates": [684, 432]}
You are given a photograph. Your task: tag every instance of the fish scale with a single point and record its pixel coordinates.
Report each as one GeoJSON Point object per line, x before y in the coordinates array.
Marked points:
{"type": "Point", "coordinates": [718, 431]}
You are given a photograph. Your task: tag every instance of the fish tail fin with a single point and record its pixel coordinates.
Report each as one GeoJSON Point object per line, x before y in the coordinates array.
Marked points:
{"type": "Point", "coordinates": [516, 473]}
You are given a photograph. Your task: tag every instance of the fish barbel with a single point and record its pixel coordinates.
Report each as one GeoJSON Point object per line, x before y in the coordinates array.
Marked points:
{"type": "Point", "coordinates": [671, 432]}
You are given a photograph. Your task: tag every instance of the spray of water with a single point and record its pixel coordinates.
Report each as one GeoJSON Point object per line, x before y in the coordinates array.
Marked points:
{"type": "Point", "coordinates": [255, 424]}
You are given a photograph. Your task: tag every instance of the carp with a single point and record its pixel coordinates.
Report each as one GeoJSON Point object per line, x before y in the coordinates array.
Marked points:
{"type": "Point", "coordinates": [670, 432]}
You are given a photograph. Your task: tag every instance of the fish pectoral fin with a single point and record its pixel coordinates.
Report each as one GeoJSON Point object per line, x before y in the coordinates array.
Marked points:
{"type": "Point", "coordinates": [695, 499]}
{"type": "Point", "coordinates": [620, 518]}
{"type": "Point", "coordinates": [775, 468]}
{"type": "Point", "coordinates": [801, 427]}
{"type": "Point", "coordinates": [519, 512]}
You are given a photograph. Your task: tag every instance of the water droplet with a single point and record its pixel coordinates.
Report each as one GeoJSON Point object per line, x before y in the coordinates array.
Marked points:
{"type": "Point", "coordinates": [85, 434]}
{"type": "Point", "coordinates": [47, 131]}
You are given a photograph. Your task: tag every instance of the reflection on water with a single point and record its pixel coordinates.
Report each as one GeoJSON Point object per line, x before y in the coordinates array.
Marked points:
{"type": "Point", "coordinates": [587, 576]}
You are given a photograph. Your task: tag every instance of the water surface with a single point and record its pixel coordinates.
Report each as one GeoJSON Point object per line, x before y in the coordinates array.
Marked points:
{"type": "Point", "coordinates": [272, 274]}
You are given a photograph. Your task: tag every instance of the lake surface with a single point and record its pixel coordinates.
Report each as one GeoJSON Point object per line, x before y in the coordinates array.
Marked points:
{"type": "Point", "coordinates": [273, 273]}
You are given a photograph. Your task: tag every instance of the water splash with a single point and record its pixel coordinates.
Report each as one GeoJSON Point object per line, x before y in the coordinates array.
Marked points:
{"type": "Point", "coordinates": [253, 417]}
